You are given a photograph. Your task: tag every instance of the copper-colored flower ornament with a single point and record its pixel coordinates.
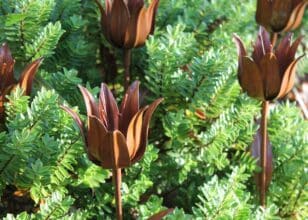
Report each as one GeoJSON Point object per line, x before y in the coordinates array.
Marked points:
{"type": "Point", "coordinates": [127, 23]}
{"type": "Point", "coordinates": [269, 74]}
{"type": "Point", "coordinates": [115, 138]}
{"type": "Point", "coordinates": [7, 80]}
{"type": "Point", "coordinates": [280, 15]}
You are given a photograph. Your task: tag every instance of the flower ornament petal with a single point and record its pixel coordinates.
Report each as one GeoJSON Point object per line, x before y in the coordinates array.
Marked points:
{"type": "Point", "coordinates": [96, 138]}
{"type": "Point", "coordinates": [262, 45]}
{"type": "Point", "coordinates": [89, 101]}
{"type": "Point", "coordinates": [131, 31]}
{"type": "Point", "coordinates": [119, 18]}
{"type": "Point", "coordinates": [134, 133]}
{"type": "Point", "coordinates": [294, 47]}
{"type": "Point", "coordinates": [6, 67]}
{"type": "Point", "coordinates": [113, 152]}
{"type": "Point", "coordinates": [281, 11]}
{"type": "Point", "coordinates": [286, 52]}
{"type": "Point", "coordinates": [264, 12]}
{"type": "Point", "coordinates": [145, 129]}
{"type": "Point", "coordinates": [26, 78]}
{"type": "Point", "coordinates": [77, 120]}
{"type": "Point", "coordinates": [152, 13]}
{"type": "Point", "coordinates": [145, 24]}
{"type": "Point", "coordinates": [240, 46]}
{"type": "Point", "coordinates": [288, 78]}
{"type": "Point", "coordinates": [108, 106]}
{"type": "Point", "coordinates": [265, 40]}
{"type": "Point", "coordinates": [296, 16]}
{"type": "Point", "coordinates": [283, 49]}
{"type": "Point", "coordinates": [270, 75]}
{"type": "Point", "coordinates": [104, 18]}
{"type": "Point", "coordinates": [134, 6]}
{"type": "Point", "coordinates": [250, 79]}
{"type": "Point", "coordinates": [160, 215]}
{"type": "Point", "coordinates": [129, 106]}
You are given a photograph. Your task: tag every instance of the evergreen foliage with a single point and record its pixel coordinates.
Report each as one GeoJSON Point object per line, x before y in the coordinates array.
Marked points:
{"type": "Point", "coordinates": [197, 160]}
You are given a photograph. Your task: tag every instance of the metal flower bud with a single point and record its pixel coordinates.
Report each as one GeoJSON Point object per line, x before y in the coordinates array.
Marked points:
{"type": "Point", "coordinates": [127, 23]}
{"type": "Point", "coordinates": [268, 74]}
{"type": "Point", "coordinates": [7, 80]}
{"type": "Point", "coordinates": [280, 15]}
{"type": "Point", "coordinates": [115, 138]}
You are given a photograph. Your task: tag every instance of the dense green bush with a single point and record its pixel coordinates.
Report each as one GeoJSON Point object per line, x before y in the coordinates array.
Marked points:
{"type": "Point", "coordinates": [201, 166]}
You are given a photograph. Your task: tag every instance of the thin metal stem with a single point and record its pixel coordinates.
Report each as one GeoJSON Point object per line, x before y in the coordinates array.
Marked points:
{"type": "Point", "coordinates": [264, 146]}
{"type": "Point", "coordinates": [117, 180]}
{"type": "Point", "coordinates": [127, 63]}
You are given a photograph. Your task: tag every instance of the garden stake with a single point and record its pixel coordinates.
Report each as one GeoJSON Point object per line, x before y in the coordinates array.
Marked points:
{"type": "Point", "coordinates": [264, 146]}
{"type": "Point", "coordinates": [127, 62]}
{"type": "Point", "coordinates": [115, 138]}
{"type": "Point", "coordinates": [117, 179]}
{"type": "Point", "coordinates": [267, 75]}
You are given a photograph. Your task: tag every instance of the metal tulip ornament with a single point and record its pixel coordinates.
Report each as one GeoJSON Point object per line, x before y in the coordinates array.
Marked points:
{"type": "Point", "coordinates": [126, 24]}
{"type": "Point", "coordinates": [7, 79]}
{"type": "Point", "coordinates": [115, 138]}
{"type": "Point", "coordinates": [280, 15]}
{"type": "Point", "coordinates": [267, 75]}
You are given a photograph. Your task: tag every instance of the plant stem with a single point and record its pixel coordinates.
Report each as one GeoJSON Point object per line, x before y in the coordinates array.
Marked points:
{"type": "Point", "coordinates": [274, 37]}
{"type": "Point", "coordinates": [127, 62]}
{"type": "Point", "coordinates": [117, 180]}
{"type": "Point", "coordinates": [265, 106]}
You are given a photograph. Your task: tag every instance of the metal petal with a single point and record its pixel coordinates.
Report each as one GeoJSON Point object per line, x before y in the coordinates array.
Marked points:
{"type": "Point", "coordinates": [240, 46]}
{"type": "Point", "coordinates": [261, 46]}
{"type": "Point", "coordinates": [270, 75]}
{"type": "Point", "coordinates": [145, 129]}
{"type": "Point", "coordinates": [104, 19]}
{"type": "Point", "coordinates": [111, 148]}
{"type": "Point", "coordinates": [160, 215]}
{"type": "Point", "coordinates": [250, 79]}
{"type": "Point", "coordinates": [27, 76]}
{"type": "Point", "coordinates": [296, 17]}
{"type": "Point", "coordinates": [264, 13]}
{"type": "Point", "coordinates": [119, 18]}
{"type": "Point", "coordinates": [280, 14]}
{"type": "Point", "coordinates": [131, 31]}
{"type": "Point", "coordinates": [108, 105]}
{"type": "Point", "coordinates": [294, 47]}
{"type": "Point", "coordinates": [96, 138]}
{"type": "Point", "coordinates": [133, 137]}
{"type": "Point", "coordinates": [282, 52]}
{"type": "Point", "coordinates": [6, 67]}
{"type": "Point", "coordinates": [78, 121]}
{"type": "Point", "coordinates": [129, 106]}
{"type": "Point", "coordinates": [91, 105]}
{"type": "Point", "coordinates": [145, 23]}
{"type": "Point", "coordinates": [288, 78]}
{"type": "Point", "coordinates": [266, 40]}
{"type": "Point", "coordinates": [134, 6]}
{"type": "Point", "coordinates": [155, 7]}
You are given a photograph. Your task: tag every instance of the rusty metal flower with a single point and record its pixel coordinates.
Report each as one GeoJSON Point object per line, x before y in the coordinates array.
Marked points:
{"type": "Point", "coordinates": [268, 74]}
{"type": "Point", "coordinates": [115, 138]}
{"type": "Point", "coordinates": [7, 80]}
{"type": "Point", "coordinates": [127, 23]}
{"type": "Point", "coordinates": [280, 15]}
